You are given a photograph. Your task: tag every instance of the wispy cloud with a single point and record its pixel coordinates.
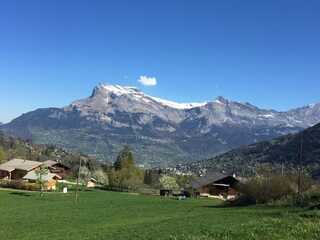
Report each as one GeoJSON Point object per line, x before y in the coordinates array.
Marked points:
{"type": "Point", "coordinates": [147, 81]}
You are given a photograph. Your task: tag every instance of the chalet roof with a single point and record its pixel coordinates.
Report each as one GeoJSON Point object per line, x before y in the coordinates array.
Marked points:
{"type": "Point", "coordinates": [19, 164]}
{"type": "Point", "coordinates": [93, 180]}
{"type": "Point", "coordinates": [45, 177]}
{"type": "Point", "coordinates": [50, 163]}
{"type": "Point", "coordinates": [7, 168]}
{"type": "Point", "coordinates": [207, 179]}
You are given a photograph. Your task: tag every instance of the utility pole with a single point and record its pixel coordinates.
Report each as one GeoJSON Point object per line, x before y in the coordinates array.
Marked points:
{"type": "Point", "coordinates": [300, 167]}
{"type": "Point", "coordinates": [78, 180]}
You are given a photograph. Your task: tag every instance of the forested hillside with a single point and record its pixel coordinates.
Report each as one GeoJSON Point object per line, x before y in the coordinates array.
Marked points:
{"type": "Point", "coordinates": [283, 152]}
{"type": "Point", "coordinates": [16, 148]}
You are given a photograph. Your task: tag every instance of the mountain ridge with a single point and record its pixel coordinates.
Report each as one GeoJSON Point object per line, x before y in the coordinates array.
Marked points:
{"type": "Point", "coordinates": [161, 132]}
{"type": "Point", "coordinates": [283, 152]}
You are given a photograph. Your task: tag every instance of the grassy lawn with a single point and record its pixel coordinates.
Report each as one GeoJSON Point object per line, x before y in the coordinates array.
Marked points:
{"type": "Point", "coordinates": [109, 215]}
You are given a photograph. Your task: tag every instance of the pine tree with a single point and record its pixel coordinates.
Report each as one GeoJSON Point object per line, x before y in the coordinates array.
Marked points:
{"type": "Point", "coordinates": [125, 173]}
{"type": "Point", "coordinates": [124, 159]}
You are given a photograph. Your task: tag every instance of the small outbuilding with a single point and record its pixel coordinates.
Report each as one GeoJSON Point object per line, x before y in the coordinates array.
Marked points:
{"type": "Point", "coordinates": [50, 179]}
{"type": "Point", "coordinates": [91, 183]}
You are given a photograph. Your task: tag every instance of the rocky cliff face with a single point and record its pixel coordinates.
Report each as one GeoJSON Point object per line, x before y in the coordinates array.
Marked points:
{"type": "Point", "coordinates": [160, 132]}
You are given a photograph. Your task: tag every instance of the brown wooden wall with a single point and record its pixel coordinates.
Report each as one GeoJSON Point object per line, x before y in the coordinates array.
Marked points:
{"type": "Point", "coordinates": [4, 174]}
{"type": "Point", "coordinates": [218, 190]}
{"type": "Point", "coordinates": [61, 171]}
{"type": "Point", "coordinates": [18, 174]}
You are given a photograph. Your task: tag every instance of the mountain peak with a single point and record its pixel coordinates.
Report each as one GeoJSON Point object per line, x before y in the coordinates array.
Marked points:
{"type": "Point", "coordinates": [115, 114]}
{"type": "Point", "coordinates": [221, 99]}
{"type": "Point", "coordinates": [115, 89]}
{"type": "Point", "coordinates": [105, 90]}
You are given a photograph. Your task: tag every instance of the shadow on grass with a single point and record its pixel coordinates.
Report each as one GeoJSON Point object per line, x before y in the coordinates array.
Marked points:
{"type": "Point", "coordinates": [22, 194]}
{"type": "Point", "coordinates": [226, 206]}
{"type": "Point", "coordinates": [216, 206]}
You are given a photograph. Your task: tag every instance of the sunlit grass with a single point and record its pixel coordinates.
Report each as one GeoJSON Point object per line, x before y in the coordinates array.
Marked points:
{"type": "Point", "coordinates": [110, 215]}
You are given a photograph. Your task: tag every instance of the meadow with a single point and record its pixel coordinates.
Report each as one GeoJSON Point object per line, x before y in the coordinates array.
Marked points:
{"type": "Point", "coordinates": [111, 215]}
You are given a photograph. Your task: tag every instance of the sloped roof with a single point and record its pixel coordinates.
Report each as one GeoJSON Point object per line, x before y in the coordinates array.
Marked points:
{"type": "Point", "coordinates": [20, 164]}
{"type": "Point", "coordinates": [207, 179]}
{"type": "Point", "coordinates": [46, 177]}
{"type": "Point", "coordinates": [50, 163]}
{"type": "Point", "coordinates": [6, 168]}
{"type": "Point", "coordinates": [93, 180]}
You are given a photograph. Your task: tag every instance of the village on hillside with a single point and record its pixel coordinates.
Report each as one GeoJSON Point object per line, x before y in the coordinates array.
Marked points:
{"type": "Point", "coordinates": [159, 120]}
{"type": "Point", "coordinates": [31, 175]}
{"type": "Point", "coordinates": [125, 188]}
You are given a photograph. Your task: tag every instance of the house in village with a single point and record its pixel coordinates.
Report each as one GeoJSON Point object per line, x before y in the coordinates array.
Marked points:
{"type": "Point", "coordinates": [16, 169]}
{"type": "Point", "coordinates": [58, 168]}
{"type": "Point", "coordinates": [216, 185]}
{"type": "Point", "coordinates": [26, 170]}
{"type": "Point", "coordinates": [49, 178]}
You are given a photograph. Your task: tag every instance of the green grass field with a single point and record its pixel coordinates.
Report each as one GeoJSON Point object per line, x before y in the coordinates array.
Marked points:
{"type": "Point", "coordinates": [110, 215]}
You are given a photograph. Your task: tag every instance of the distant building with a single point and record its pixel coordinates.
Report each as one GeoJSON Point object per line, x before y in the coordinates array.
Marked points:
{"type": "Point", "coordinates": [92, 183]}
{"type": "Point", "coordinates": [58, 168]}
{"type": "Point", "coordinates": [50, 179]}
{"type": "Point", "coordinates": [16, 169]}
{"type": "Point", "coordinates": [216, 185]}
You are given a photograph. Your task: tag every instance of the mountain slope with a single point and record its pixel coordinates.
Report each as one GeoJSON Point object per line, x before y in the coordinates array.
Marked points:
{"type": "Point", "coordinates": [284, 151]}
{"type": "Point", "coordinates": [161, 132]}
{"type": "Point", "coordinates": [11, 147]}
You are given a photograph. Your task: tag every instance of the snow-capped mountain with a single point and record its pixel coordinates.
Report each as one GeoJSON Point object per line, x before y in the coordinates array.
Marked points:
{"type": "Point", "coordinates": [161, 132]}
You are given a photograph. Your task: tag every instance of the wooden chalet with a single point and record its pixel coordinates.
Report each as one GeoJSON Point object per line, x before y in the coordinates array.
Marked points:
{"type": "Point", "coordinates": [216, 185]}
{"type": "Point", "coordinates": [49, 178]}
{"type": "Point", "coordinates": [16, 169]}
{"type": "Point", "coordinates": [57, 168]}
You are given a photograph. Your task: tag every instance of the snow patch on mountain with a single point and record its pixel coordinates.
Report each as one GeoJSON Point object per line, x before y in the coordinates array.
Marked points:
{"type": "Point", "coordinates": [135, 92]}
{"type": "Point", "coordinates": [118, 90]}
{"type": "Point", "coordinates": [178, 105]}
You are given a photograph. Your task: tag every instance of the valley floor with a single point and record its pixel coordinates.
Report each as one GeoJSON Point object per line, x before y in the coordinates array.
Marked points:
{"type": "Point", "coordinates": [109, 215]}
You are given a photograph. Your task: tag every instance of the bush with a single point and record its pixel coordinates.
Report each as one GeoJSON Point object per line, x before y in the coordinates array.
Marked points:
{"type": "Point", "coordinates": [19, 185]}
{"type": "Point", "coordinates": [268, 189]}
{"type": "Point", "coordinates": [30, 187]}
{"type": "Point", "coordinates": [168, 182]}
{"type": "Point", "coordinates": [310, 199]}
{"type": "Point", "coordinates": [277, 190]}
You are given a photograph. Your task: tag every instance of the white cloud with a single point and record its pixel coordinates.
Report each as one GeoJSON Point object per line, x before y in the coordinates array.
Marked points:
{"type": "Point", "coordinates": [147, 81]}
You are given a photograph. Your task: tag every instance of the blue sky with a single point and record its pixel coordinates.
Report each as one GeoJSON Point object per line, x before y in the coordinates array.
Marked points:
{"type": "Point", "coordinates": [263, 52]}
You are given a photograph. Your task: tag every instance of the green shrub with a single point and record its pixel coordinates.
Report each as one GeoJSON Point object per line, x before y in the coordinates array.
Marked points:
{"type": "Point", "coordinates": [309, 199]}
{"type": "Point", "coordinates": [267, 189]}
{"type": "Point", "coordinates": [273, 188]}
{"type": "Point", "coordinates": [19, 185]}
{"type": "Point", "coordinates": [278, 190]}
